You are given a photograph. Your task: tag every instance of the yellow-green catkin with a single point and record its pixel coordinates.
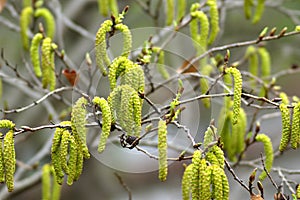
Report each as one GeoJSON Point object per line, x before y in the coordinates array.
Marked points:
{"type": "Point", "coordinates": [181, 9]}
{"type": "Point", "coordinates": [79, 164]}
{"type": "Point", "coordinates": [286, 127]}
{"type": "Point", "coordinates": [78, 122]}
{"type": "Point", "coordinates": [169, 10]}
{"type": "Point", "coordinates": [35, 54]}
{"type": "Point", "coordinates": [284, 98]}
{"type": "Point", "coordinates": [265, 61]}
{"type": "Point", "coordinates": [258, 11]}
{"type": "Point", "coordinates": [113, 6]}
{"type": "Point", "coordinates": [48, 64]}
{"type": "Point", "coordinates": [251, 55]}
{"type": "Point", "coordinates": [102, 58]}
{"type": "Point", "coordinates": [49, 20]}
{"type": "Point", "coordinates": [186, 182]}
{"type": "Point", "coordinates": [214, 20]}
{"type": "Point", "coordinates": [218, 154]}
{"type": "Point", "coordinates": [268, 148]}
{"type": "Point", "coordinates": [106, 121]}
{"type": "Point", "coordinates": [225, 185]}
{"type": "Point", "coordinates": [248, 8]}
{"type": "Point", "coordinates": [25, 20]}
{"type": "Point", "coordinates": [127, 38]}
{"type": "Point", "coordinates": [209, 135]}
{"type": "Point", "coordinates": [237, 92]}
{"type": "Point", "coordinates": [160, 66]}
{"type": "Point", "coordinates": [204, 180]}
{"type": "Point", "coordinates": [9, 158]}
{"type": "Point", "coordinates": [46, 182]}
{"type": "Point", "coordinates": [217, 182]}
{"type": "Point", "coordinates": [298, 191]}
{"type": "Point", "coordinates": [200, 38]}
{"type": "Point", "coordinates": [162, 150]}
{"type": "Point", "coordinates": [72, 162]}
{"type": "Point", "coordinates": [2, 170]}
{"type": "Point", "coordinates": [56, 188]}
{"type": "Point", "coordinates": [55, 154]}
{"type": "Point", "coordinates": [64, 147]}
{"type": "Point", "coordinates": [103, 7]}
{"type": "Point", "coordinates": [239, 132]}
{"type": "Point", "coordinates": [295, 132]}
{"type": "Point", "coordinates": [204, 83]}
{"type": "Point", "coordinates": [134, 77]}
{"type": "Point", "coordinates": [196, 161]}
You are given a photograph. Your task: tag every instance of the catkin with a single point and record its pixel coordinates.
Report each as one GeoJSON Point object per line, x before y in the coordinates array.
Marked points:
{"type": "Point", "coordinates": [35, 55]}
{"type": "Point", "coordinates": [268, 152]}
{"type": "Point", "coordinates": [2, 170]}
{"type": "Point", "coordinates": [237, 77]}
{"type": "Point", "coordinates": [103, 7]}
{"type": "Point", "coordinates": [265, 61]}
{"type": "Point", "coordinates": [239, 131]}
{"type": "Point", "coordinates": [162, 150]}
{"type": "Point", "coordinates": [181, 8]}
{"type": "Point", "coordinates": [79, 164]}
{"type": "Point", "coordinates": [186, 182]}
{"type": "Point", "coordinates": [286, 127]}
{"type": "Point", "coordinates": [217, 182]}
{"type": "Point", "coordinates": [298, 191]}
{"type": "Point", "coordinates": [134, 77]}
{"type": "Point", "coordinates": [160, 66]}
{"type": "Point", "coordinates": [295, 132]}
{"type": "Point", "coordinates": [204, 181]}
{"type": "Point", "coordinates": [49, 20]}
{"type": "Point", "coordinates": [214, 20]}
{"type": "Point", "coordinates": [72, 160]}
{"type": "Point", "coordinates": [102, 58]}
{"type": "Point", "coordinates": [113, 6]}
{"type": "Point", "coordinates": [247, 8]}
{"type": "Point", "coordinates": [127, 38]}
{"type": "Point", "coordinates": [169, 10]}
{"type": "Point", "coordinates": [106, 121]}
{"type": "Point", "coordinates": [64, 147]}
{"type": "Point", "coordinates": [48, 65]}
{"type": "Point", "coordinates": [258, 11]}
{"type": "Point", "coordinates": [9, 158]}
{"type": "Point", "coordinates": [25, 20]}
{"type": "Point", "coordinates": [46, 182]}
{"type": "Point", "coordinates": [78, 122]}
{"type": "Point", "coordinates": [196, 161]}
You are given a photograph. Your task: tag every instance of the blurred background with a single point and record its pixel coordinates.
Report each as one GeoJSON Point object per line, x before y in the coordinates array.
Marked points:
{"type": "Point", "coordinates": [77, 23]}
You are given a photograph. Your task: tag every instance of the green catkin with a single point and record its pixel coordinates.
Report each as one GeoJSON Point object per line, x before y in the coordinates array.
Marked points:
{"type": "Point", "coordinates": [35, 55]}
{"type": "Point", "coordinates": [113, 6]}
{"type": "Point", "coordinates": [204, 181]}
{"type": "Point", "coordinates": [134, 77]}
{"type": "Point", "coordinates": [9, 158]}
{"type": "Point", "coordinates": [186, 182]}
{"type": "Point", "coordinates": [78, 122]}
{"type": "Point", "coordinates": [181, 8]}
{"type": "Point", "coordinates": [126, 109]}
{"type": "Point", "coordinates": [102, 58]}
{"type": "Point", "coordinates": [79, 164]}
{"type": "Point", "coordinates": [225, 185]}
{"type": "Point", "coordinates": [237, 77]}
{"type": "Point", "coordinates": [5, 123]}
{"type": "Point", "coordinates": [240, 129]}
{"type": "Point", "coordinates": [48, 65]}
{"type": "Point", "coordinates": [248, 8]}
{"type": "Point", "coordinates": [225, 127]}
{"type": "Point", "coordinates": [103, 7]}
{"type": "Point", "coordinates": [49, 20]}
{"type": "Point", "coordinates": [56, 188]}
{"type": "Point", "coordinates": [106, 121]}
{"type": "Point", "coordinates": [196, 161]}
{"type": "Point", "coordinates": [118, 66]}
{"type": "Point", "coordinates": [286, 127]}
{"type": "Point", "coordinates": [268, 148]}
{"type": "Point", "coordinates": [218, 152]}
{"type": "Point", "coordinates": [162, 150]}
{"type": "Point", "coordinates": [64, 147]}
{"type": "Point", "coordinates": [27, 3]}
{"type": "Point", "coordinates": [200, 39]}
{"type": "Point", "coordinates": [295, 132]}
{"type": "Point", "coordinates": [59, 174]}
{"type": "Point", "coordinates": [253, 60]}
{"type": "Point", "coordinates": [161, 68]}
{"type": "Point", "coordinates": [204, 83]}
{"type": "Point", "coordinates": [127, 38]}
{"type": "Point", "coordinates": [284, 98]}
{"type": "Point", "coordinates": [298, 191]}
{"type": "Point", "coordinates": [25, 20]}
{"type": "Point", "coordinates": [169, 10]}
{"type": "Point", "coordinates": [209, 135]}
{"type": "Point", "coordinates": [265, 61]}
{"type": "Point", "coordinates": [258, 11]}
{"type": "Point", "coordinates": [217, 182]}
{"type": "Point", "coordinates": [46, 182]}
{"type": "Point", "coordinates": [214, 20]}
{"type": "Point", "coordinates": [2, 170]}
{"type": "Point", "coordinates": [72, 160]}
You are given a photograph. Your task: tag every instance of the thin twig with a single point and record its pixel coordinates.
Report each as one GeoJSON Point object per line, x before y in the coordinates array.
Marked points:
{"type": "Point", "coordinates": [124, 185]}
